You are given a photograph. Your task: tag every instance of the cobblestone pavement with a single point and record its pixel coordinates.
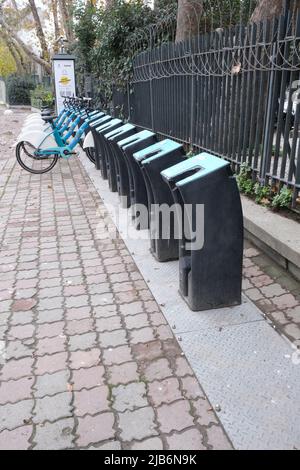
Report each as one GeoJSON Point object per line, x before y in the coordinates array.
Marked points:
{"type": "Point", "coordinates": [87, 357]}
{"type": "Point", "coordinates": [275, 292]}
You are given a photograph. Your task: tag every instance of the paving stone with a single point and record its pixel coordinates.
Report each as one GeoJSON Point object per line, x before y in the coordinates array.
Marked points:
{"type": "Point", "coordinates": [122, 374]}
{"type": "Point", "coordinates": [23, 305]}
{"type": "Point", "coordinates": [191, 387]}
{"type": "Point", "coordinates": [77, 301]}
{"type": "Point", "coordinates": [293, 314]}
{"type": "Point", "coordinates": [147, 351]}
{"type": "Point", "coordinates": [105, 311]}
{"type": "Point", "coordinates": [279, 318]}
{"type": "Point", "coordinates": [129, 397]}
{"type": "Point", "coordinates": [153, 443]}
{"type": "Point", "coordinates": [217, 439]}
{"type": "Point", "coordinates": [50, 316]}
{"type": "Point", "coordinates": [101, 299]}
{"type": "Point", "coordinates": [80, 326]}
{"type": "Point", "coordinates": [164, 332]}
{"type": "Point", "coordinates": [204, 412]}
{"type": "Point", "coordinates": [254, 294]}
{"type": "Point", "coordinates": [285, 301]}
{"type": "Point", "coordinates": [175, 416]}
{"type": "Point", "coordinates": [18, 350]}
{"type": "Point", "coordinates": [91, 401]}
{"type": "Point", "coordinates": [137, 424]}
{"type": "Point", "coordinates": [293, 331]}
{"type": "Point", "coordinates": [158, 369]}
{"type": "Point", "coordinates": [113, 338]}
{"type": "Point", "coordinates": [94, 429]}
{"type": "Point", "coordinates": [21, 332]}
{"type": "Point", "coordinates": [50, 303]}
{"type": "Point", "coordinates": [272, 290]}
{"type": "Point", "coordinates": [51, 384]}
{"type": "Point", "coordinates": [164, 391]}
{"type": "Point", "coordinates": [24, 293]}
{"type": "Point", "coordinates": [17, 439]}
{"type": "Point", "coordinates": [15, 369]}
{"type": "Point", "coordinates": [82, 342]}
{"type": "Point", "coordinates": [143, 335]}
{"type": "Point", "coordinates": [49, 330]}
{"type": "Point", "coordinates": [108, 324]}
{"type": "Point", "coordinates": [78, 313]}
{"type": "Point", "coordinates": [51, 345]}
{"type": "Point", "coordinates": [51, 363]}
{"type": "Point", "coordinates": [84, 359]}
{"type": "Point", "coordinates": [53, 408]}
{"type": "Point", "coordinates": [191, 439]}
{"type": "Point", "coordinates": [110, 445]}
{"type": "Point", "coordinates": [119, 355]}
{"type": "Point", "coordinates": [131, 309]}
{"type": "Point", "coordinates": [261, 281]}
{"type": "Point", "coordinates": [88, 378]}
{"type": "Point", "coordinates": [15, 415]}
{"type": "Point", "coordinates": [15, 390]}
{"type": "Point", "coordinates": [157, 319]}
{"type": "Point", "coordinates": [120, 277]}
{"type": "Point", "coordinates": [21, 318]}
{"type": "Point", "coordinates": [54, 436]}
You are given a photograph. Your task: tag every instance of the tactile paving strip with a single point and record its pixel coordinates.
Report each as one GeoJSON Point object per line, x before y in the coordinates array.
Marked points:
{"type": "Point", "coordinates": [243, 365]}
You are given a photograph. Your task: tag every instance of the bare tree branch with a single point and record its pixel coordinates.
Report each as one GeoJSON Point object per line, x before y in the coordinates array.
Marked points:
{"type": "Point", "coordinates": [66, 18]}
{"type": "Point", "coordinates": [39, 29]}
{"type": "Point", "coordinates": [54, 6]}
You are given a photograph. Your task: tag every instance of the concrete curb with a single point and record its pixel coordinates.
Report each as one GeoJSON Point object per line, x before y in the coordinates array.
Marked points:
{"type": "Point", "coordinates": [276, 235]}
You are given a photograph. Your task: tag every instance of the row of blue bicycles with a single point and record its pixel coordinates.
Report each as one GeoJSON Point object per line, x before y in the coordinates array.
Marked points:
{"type": "Point", "coordinates": [45, 138]}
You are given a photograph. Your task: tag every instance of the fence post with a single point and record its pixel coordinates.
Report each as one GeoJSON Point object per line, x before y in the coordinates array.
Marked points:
{"type": "Point", "coordinates": [151, 105]}
{"type": "Point", "coordinates": [193, 105]}
{"type": "Point", "coordinates": [279, 32]}
{"type": "Point", "coordinates": [128, 101]}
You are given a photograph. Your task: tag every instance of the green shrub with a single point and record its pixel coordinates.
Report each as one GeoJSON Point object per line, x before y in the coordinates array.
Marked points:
{"type": "Point", "coordinates": [283, 199]}
{"type": "Point", "coordinates": [41, 96]}
{"type": "Point", "coordinates": [18, 90]}
{"type": "Point", "coordinates": [263, 194]}
{"type": "Point", "coordinates": [244, 180]}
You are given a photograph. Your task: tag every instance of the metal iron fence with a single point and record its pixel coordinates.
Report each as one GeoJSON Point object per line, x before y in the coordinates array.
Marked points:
{"type": "Point", "coordinates": [230, 92]}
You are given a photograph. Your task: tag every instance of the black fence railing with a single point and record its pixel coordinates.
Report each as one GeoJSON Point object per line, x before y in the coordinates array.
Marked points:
{"type": "Point", "coordinates": [234, 93]}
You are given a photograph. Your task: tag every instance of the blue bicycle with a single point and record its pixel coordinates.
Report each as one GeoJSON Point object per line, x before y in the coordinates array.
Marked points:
{"type": "Point", "coordinates": [46, 138]}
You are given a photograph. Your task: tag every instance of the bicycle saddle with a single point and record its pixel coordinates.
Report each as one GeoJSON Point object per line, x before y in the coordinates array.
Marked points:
{"type": "Point", "coordinates": [49, 118]}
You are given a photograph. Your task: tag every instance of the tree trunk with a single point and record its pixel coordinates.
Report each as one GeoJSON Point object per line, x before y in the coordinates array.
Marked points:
{"type": "Point", "coordinates": [66, 17]}
{"type": "Point", "coordinates": [54, 7]}
{"type": "Point", "coordinates": [266, 10]}
{"type": "Point", "coordinates": [39, 30]}
{"type": "Point", "coordinates": [189, 14]}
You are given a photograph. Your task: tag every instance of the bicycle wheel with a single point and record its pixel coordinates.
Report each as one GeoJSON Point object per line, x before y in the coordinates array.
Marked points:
{"type": "Point", "coordinates": [90, 153]}
{"type": "Point", "coordinates": [32, 163]}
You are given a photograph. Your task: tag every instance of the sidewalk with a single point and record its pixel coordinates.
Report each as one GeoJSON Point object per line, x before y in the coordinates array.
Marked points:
{"type": "Point", "coordinates": [88, 360]}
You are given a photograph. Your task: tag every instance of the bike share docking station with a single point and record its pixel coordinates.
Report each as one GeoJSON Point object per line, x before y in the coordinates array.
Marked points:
{"type": "Point", "coordinates": [210, 273]}
{"type": "Point", "coordinates": [152, 161]}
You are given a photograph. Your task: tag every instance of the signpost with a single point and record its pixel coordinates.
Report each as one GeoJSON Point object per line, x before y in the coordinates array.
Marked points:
{"type": "Point", "coordinates": [64, 78]}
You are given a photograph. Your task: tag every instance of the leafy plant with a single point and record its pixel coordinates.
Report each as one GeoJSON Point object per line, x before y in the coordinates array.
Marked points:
{"type": "Point", "coordinates": [244, 180]}
{"type": "Point", "coordinates": [41, 96]}
{"type": "Point", "coordinates": [283, 199]}
{"type": "Point", "coordinates": [18, 90]}
{"type": "Point", "coordinates": [7, 63]}
{"type": "Point", "coordinates": [263, 194]}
